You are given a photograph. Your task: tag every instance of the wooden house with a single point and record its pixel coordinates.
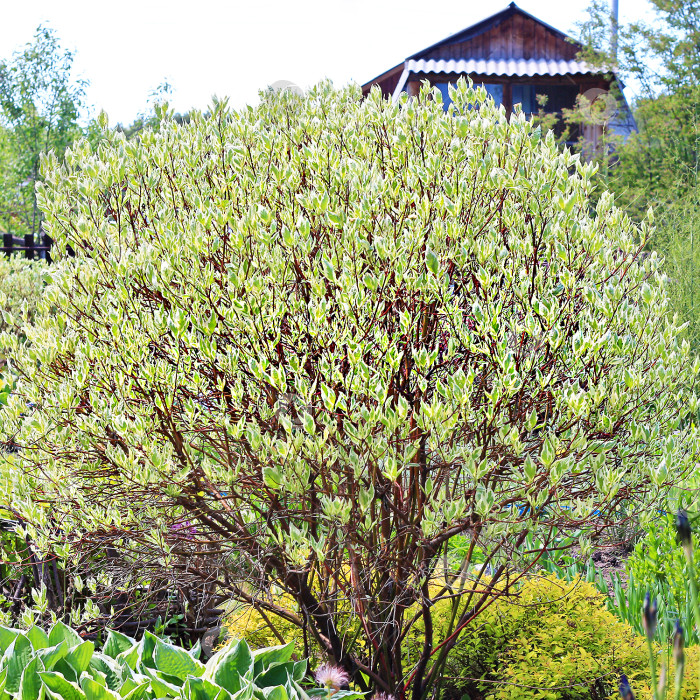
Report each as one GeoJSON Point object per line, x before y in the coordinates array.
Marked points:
{"type": "Point", "coordinates": [516, 57]}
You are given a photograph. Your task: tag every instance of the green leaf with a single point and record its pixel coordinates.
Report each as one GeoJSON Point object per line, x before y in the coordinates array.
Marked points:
{"type": "Point", "coordinates": [31, 687]}
{"type": "Point", "coordinates": [161, 688]}
{"type": "Point", "coordinates": [276, 674]}
{"type": "Point", "coordinates": [202, 689]}
{"type": "Point", "coordinates": [176, 661]}
{"type": "Point", "coordinates": [138, 692]}
{"type": "Point", "coordinates": [38, 638]}
{"type": "Point", "coordinates": [277, 693]}
{"type": "Point", "coordinates": [272, 478]}
{"type": "Point", "coordinates": [247, 691]}
{"type": "Point", "coordinates": [18, 655]}
{"type": "Point", "coordinates": [548, 453]}
{"type": "Point", "coordinates": [287, 237]}
{"type": "Point", "coordinates": [52, 655]}
{"type": "Point", "coordinates": [431, 261]}
{"type": "Point", "coordinates": [264, 658]}
{"type": "Point", "coordinates": [567, 205]}
{"type": "Point", "coordinates": [337, 218]}
{"type": "Point", "coordinates": [94, 691]}
{"type": "Point", "coordinates": [96, 676]}
{"type": "Point", "coordinates": [145, 648]}
{"type": "Point", "coordinates": [348, 695]}
{"type": "Point", "coordinates": [196, 650]}
{"type": "Point", "coordinates": [7, 636]}
{"type": "Point", "coordinates": [66, 670]}
{"type": "Point", "coordinates": [108, 667]}
{"type": "Point", "coordinates": [117, 643]}
{"type": "Point", "coordinates": [529, 469]}
{"type": "Point", "coordinates": [79, 657]}
{"type": "Point", "coordinates": [61, 632]}
{"type": "Point", "coordinates": [60, 688]}
{"type": "Point", "coordinates": [133, 683]}
{"type": "Point", "coordinates": [230, 664]}
{"type": "Point", "coordinates": [299, 671]}
{"type": "Point", "coordinates": [130, 657]}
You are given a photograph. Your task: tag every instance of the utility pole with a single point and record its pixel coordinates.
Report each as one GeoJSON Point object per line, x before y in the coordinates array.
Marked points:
{"type": "Point", "coordinates": [614, 20]}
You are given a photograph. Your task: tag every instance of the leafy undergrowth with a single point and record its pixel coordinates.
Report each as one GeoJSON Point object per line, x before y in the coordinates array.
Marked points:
{"type": "Point", "coordinates": [62, 666]}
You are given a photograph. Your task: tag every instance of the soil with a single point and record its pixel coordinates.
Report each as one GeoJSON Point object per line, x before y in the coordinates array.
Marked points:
{"type": "Point", "coordinates": [610, 561]}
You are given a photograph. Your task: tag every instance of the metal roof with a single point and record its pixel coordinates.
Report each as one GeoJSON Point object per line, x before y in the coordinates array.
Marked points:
{"type": "Point", "coordinates": [510, 67]}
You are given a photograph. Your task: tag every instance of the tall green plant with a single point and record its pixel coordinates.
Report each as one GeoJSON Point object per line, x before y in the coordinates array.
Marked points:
{"type": "Point", "coordinates": [40, 101]}
{"type": "Point", "coordinates": [677, 238]}
{"type": "Point", "coordinates": [303, 347]}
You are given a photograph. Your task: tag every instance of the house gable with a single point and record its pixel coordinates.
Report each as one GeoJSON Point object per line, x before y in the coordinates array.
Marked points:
{"type": "Point", "coordinates": [511, 34]}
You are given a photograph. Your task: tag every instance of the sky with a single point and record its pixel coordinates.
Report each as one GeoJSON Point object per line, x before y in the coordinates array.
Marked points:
{"type": "Point", "coordinates": [210, 47]}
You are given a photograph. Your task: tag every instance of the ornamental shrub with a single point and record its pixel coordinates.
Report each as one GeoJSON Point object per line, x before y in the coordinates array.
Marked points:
{"type": "Point", "coordinates": [304, 346]}
{"type": "Point", "coordinates": [21, 286]}
{"type": "Point", "coordinates": [556, 640]}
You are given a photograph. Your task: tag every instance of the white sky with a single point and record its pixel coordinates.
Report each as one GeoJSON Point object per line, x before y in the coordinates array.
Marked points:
{"type": "Point", "coordinates": [127, 48]}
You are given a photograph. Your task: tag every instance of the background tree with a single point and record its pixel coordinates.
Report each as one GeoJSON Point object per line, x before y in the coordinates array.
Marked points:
{"type": "Point", "coordinates": [659, 163]}
{"type": "Point", "coordinates": [40, 103]}
{"type": "Point", "coordinates": [156, 111]}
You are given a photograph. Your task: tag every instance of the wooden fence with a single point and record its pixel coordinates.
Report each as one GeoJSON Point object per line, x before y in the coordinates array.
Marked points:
{"type": "Point", "coordinates": [30, 246]}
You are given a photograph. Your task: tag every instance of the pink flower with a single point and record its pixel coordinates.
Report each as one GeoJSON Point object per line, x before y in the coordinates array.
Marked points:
{"type": "Point", "coordinates": [382, 696]}
{"type": "Point", "coordinates": [330, 676]}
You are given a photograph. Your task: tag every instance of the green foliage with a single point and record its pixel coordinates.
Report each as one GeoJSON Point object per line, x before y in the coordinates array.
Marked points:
{"type": "Point", "coordinates": [263, 630]}
{"type": "Point", "coordinates": [21, 287]}
{"type": "Point", "coordinates": [157, 111]}
{"type": "Point", "coordinates": [659, 163]}
{"type": "Point", "coordinates": [658, 565]}
{"type": "Point", "coordinates": [304, 346]}
{"type": "Point", "coordinates": [63, 666]}
{"type": "Point", "coordinates": [676, 237]}
{"type": "Point", "coordinates": [549, 639]}
{"type": "Point", "coordinates": [39, 108]}
{"type": "Point", "coordinates": [559, 635]}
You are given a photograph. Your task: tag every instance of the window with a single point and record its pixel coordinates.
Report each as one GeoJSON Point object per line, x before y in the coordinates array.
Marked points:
{"type": "Point", "coordinates": [558, 97]}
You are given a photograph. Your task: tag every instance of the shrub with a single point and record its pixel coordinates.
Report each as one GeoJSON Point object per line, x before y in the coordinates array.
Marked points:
{"type": "Point", "coordinates": [555, 640]}
{"type": "Point", "coordinates": [559, 635]}
{"type": "Point", "coordinates": [303, 347]}
{"type": "Point", "coordinates": [21, 286]}
{"type": "Point", "coordinates": [63, 666]}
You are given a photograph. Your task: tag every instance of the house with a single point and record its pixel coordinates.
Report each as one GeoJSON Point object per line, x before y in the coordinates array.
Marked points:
{"type": "Point", "coordinates": [516, 57]}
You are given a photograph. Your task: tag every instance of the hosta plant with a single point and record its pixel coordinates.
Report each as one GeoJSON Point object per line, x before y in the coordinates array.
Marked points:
{"type": "Point", "coordinates": [303, 347]}
{"type": "Point", "coordinates": [62, 666]}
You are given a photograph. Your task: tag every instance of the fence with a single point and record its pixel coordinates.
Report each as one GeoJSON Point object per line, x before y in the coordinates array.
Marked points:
{"type": "Point", "coordinates": [29, 245]}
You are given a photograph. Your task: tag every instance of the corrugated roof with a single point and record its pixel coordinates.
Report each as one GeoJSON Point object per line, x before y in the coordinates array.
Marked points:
{"type": "Point", "coordinates": [511, 67]}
